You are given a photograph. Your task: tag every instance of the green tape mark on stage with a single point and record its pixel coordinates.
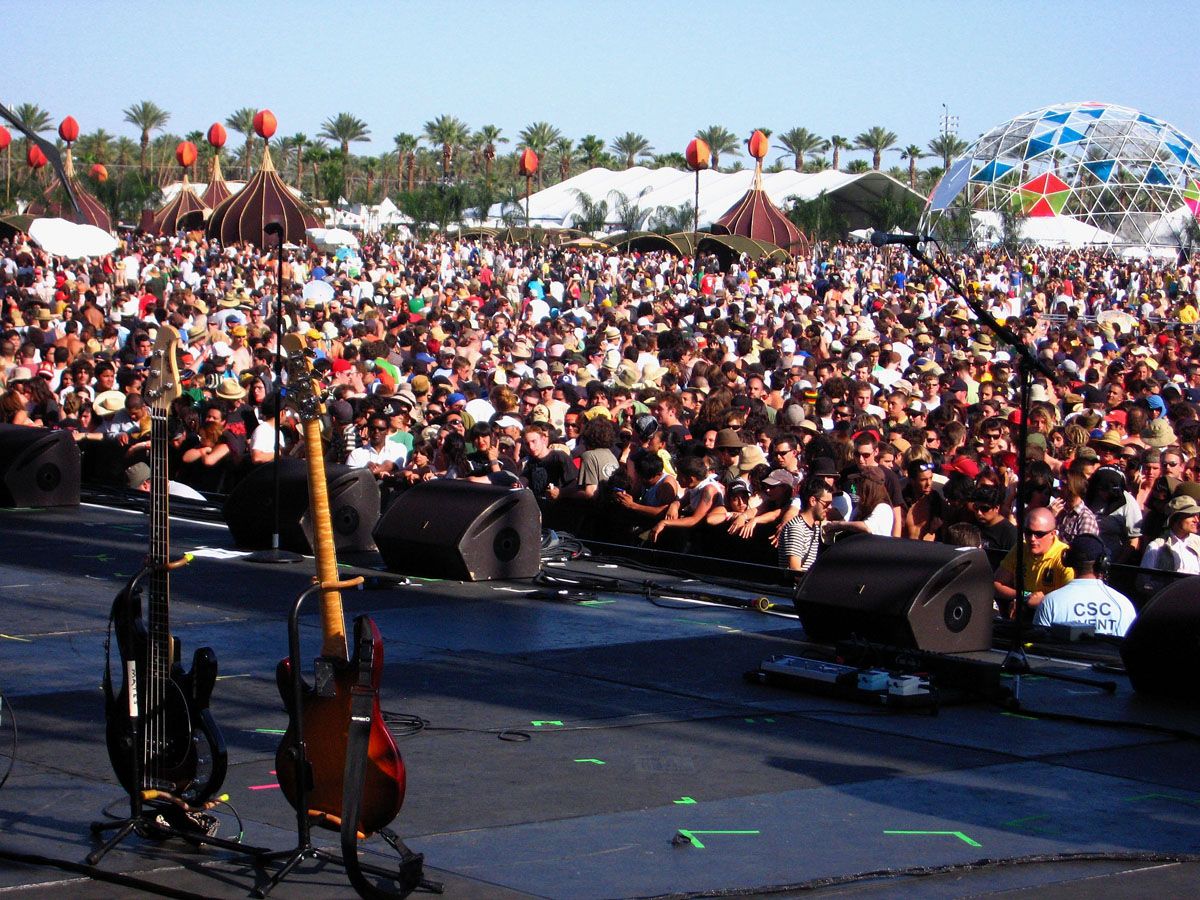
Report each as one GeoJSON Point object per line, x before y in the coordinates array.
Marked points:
{"type": "Point", "coordinates": [270, 731]}
{"type": "Point", "coordinates": [538, 723]}
{"type": "Point", "coordinates": [684, 801]}
{"type": "Point", "coordinates": [958, 834]}
{"type": "Point", "coordinates": [598, 762]}
{"type": "Point", "coordinates": [1019, 716]}
{"type": "Point", "coordinates": [596, 602]}
{"type": "Point", "coordinates": [696, 842]}
{"type": "Point", "coordinates": [103, 557]}
{"type": "Point", "coordinates": [13, 637]}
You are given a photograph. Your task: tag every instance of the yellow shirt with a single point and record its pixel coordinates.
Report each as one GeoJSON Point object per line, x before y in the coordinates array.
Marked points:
{"type": "Point", "coordinates": [1188, 314]}
{"type": "Point", "coordinates": [1043, 573]}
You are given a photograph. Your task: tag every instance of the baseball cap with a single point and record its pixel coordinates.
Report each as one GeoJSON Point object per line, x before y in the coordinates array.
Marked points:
{"type": "Point", "coordinates": [1085, 549]}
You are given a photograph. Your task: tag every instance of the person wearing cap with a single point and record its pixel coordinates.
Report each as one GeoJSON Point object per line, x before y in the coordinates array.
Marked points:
{"type": "Point", "coordinates": [1086, 599]}
{"type": "Point", "coordinates": [1043, 560]}
{"type": "Point", "coordinates": [1178, 550]}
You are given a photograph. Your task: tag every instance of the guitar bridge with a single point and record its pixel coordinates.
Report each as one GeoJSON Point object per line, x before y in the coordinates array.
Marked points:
{"type": "Point", "coordinates": [323, 675]}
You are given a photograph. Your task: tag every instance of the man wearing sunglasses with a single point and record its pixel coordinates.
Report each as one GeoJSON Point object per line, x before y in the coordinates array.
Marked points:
{"type": "Point", "coordinates": [1044, 566]}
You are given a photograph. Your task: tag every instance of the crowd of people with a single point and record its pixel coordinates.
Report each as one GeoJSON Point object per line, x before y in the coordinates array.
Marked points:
{"type": "Point", "coordinates": [750, 407]}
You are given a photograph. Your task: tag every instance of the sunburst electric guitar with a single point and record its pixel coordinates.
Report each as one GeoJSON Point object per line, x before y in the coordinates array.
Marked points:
{"type": "Point", "coordinates": [326, 707]}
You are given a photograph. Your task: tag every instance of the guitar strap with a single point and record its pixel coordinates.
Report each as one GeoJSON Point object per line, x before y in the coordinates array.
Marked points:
{"type": "Point", "coordinates": [410, 874]}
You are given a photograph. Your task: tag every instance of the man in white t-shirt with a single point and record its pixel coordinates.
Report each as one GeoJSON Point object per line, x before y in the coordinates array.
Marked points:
{"type": "Point", "coordinates": [380, 456]}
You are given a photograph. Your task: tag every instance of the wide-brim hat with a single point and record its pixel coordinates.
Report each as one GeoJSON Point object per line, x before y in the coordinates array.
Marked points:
{"type": "Point", "coordinates": [109, 403]}
{"type": "Point", "coordinates": [1110, 440]}
{"type": "Point", "coordinates": [19, 374]}
{"type": "Point", "coordinates": [230, 389]}
{"type": "Point", "coordinates": [1158, 433]}
{"type": "Point", "coordinates": [1182, 505]}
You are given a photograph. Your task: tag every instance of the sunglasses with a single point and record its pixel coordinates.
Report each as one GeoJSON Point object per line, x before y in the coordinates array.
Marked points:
{"type": "Point", "coordinates": [1034, 533]}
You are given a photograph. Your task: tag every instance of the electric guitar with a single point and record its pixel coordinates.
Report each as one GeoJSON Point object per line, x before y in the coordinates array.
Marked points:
{"type": "Point", "coordinates": [161, 735]}
{"type": "Point", "coordinates": [326, 708]}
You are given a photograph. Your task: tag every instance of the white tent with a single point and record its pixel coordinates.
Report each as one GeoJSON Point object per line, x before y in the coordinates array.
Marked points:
{"type": "Point", "coordinates": [651, 189]}
{"type": "Point", "coordinates": [1049, 231]}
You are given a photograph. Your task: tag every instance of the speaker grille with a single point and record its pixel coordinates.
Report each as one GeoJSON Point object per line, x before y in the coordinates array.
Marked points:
{"type": "Point", "coordinates": [957, 613]}
{"type": "Point", "coordinates": [507, 544]}
{"type": "Point", "coordinates": [49, 476]}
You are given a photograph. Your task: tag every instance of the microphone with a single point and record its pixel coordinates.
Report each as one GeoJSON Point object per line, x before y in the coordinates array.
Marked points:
{"type": "Point", "coordinates": [883, 238]}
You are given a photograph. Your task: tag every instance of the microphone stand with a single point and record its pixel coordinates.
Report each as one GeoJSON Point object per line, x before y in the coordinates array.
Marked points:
{"type": "Point", "coordinates": [275, 554]}
{"type": "Point", "coordinates": [1015, 662]}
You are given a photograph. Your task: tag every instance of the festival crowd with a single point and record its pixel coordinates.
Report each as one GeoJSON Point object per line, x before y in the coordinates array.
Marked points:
{"type": "Point", "coordinates": [753, 408]}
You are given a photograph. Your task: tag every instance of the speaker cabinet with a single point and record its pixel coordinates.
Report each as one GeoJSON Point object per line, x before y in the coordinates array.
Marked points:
{"type": "Point", "coordinates": [1161, 647]}
{"type": "Point", "coordinates": [38, 467]}
{"type": "Point", "coordinates": [903, 593]}
{"type": "Point", "coordinates": [353, 508]}
{"type": "Point", "coordinates": [462, 531]}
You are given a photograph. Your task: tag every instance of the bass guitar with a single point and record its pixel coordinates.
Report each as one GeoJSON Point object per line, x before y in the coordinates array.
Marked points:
{"type": "Point", "coordinates": [160, 733]}
{"type": "Point", "coordinates": [326, 708]}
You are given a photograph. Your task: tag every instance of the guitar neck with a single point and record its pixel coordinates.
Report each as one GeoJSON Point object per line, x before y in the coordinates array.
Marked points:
{"type": "Point", "coordinates": [158, 608]}
{"type": "Point", "coordinates": [333, 622]}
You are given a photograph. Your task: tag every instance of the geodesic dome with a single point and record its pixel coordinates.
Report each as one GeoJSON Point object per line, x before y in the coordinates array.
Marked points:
{"type": "Point", "coordinates": [1073, 174]}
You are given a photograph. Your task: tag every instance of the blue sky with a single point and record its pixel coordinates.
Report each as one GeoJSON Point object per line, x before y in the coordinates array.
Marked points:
{"type": "Point", "coordinates": [658, 67]}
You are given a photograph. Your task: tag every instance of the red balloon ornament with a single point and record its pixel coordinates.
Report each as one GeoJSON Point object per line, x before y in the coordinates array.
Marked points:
{"type": "Point", "coordinates": [216, 135]}
{"type": "Point", "coordinates": [99, 172]}
{"type": "Point", "coordinates": [527, 163]}
{"type": "Point", "coordinates": [185, 153]}
{"type": "Point", "coordinates": [35, 157]}
{"type": "Point", "coordinates": [698, 155]}
{"type": "Point", "coordinates": [265, 124]}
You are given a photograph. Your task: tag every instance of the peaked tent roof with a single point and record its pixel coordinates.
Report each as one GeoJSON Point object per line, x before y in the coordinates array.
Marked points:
{"type": "Point", "coordinates": [217, 191]}
{"type": "Point", "coordinates": [55, 204]}
{"type": "Point", "coordinates": [264, 199]}
{"type": "Point", "coordinates": [183, 210]}
{"type": "Point", "coordinates": [756, 217]}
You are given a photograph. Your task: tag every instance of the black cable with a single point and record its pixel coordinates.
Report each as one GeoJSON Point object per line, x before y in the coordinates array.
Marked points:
{"type": "Point", "coordinates": [1180, 733]}
{"type": "Point", "coordinates": [926, 871]}
{"type": "Point", "coordinates": [97, 874]}
{"type": "Point", "coordinates": [12, 756]}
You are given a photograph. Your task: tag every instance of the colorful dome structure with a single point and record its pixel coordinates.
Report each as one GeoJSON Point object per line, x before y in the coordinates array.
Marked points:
{"type": "Point", "coordinates": [1073, 174]}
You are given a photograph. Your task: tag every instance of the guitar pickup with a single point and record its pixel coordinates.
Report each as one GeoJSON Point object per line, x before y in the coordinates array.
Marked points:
{"type": "Point", "coordinates": [324, 676]}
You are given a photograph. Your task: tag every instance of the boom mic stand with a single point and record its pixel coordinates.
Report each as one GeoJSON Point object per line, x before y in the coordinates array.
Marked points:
{"type": "Point", "coordinates": [1015, 662]}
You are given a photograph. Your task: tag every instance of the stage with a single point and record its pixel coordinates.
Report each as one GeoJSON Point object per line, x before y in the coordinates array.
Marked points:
{"type": "Point", "coordinates": [605, 748]}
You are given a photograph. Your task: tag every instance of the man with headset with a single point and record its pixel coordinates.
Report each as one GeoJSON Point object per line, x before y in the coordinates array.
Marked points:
{"type": "Point", "coordinates": [1087, 600]}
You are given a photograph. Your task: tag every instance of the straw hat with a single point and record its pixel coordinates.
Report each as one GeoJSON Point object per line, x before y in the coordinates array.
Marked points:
{"type": "Point", "coordinates": [109, 403]}
{"type": "Point", "coordinates": [1111, 440]}
{"type": "Point", "coordinates": [751, 457]}
{"type": "Point", "coordinates": [230, 389]}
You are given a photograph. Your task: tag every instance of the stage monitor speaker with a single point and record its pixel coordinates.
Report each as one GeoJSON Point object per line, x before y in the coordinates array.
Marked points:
{"type": "Point", "coordinates": [1161, 647]}
{"type": "Point", "coordinates": [462, 531]}
{"type": "Point", "coordinates": [353, 508]}
{"type": "Point", "coordinates": [899, 592]}
{"type": "Point", "coordinates": [38, 467]}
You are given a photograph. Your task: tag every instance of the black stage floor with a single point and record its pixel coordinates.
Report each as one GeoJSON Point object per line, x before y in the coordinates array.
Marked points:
{"type": "Point", "coordinates": [640, 725]}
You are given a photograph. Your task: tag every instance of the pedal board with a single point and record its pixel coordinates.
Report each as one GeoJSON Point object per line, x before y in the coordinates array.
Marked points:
{"type": "Point", "coordinates": [872, 686]}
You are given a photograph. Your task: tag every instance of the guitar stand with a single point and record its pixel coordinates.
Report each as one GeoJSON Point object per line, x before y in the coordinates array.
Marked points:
{"type": "Point", "coordinates": [144, 819]}
{"type": "Point", "coordinates": [410, 873]}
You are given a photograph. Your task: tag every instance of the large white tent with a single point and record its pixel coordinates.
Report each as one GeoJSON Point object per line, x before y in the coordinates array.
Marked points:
{"type": "Point", "coordinates": [650, 189]}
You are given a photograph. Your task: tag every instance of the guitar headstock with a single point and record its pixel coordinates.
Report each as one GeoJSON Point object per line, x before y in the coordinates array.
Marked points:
{"type": "Point", "coordinates": [162, 385]}
{"type": "Point", "coordinates": [301, 391]}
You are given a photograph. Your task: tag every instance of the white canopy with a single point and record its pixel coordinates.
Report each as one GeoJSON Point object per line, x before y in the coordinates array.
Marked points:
{"type": "Point", "coordinates": [650, 189]}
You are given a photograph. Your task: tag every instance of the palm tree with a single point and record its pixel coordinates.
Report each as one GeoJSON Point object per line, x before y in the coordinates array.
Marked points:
{"type": "Point", "coordinates": [298, 142]}
{"type": "Point", "coordinates": [489, 136]}
{"type": "Point", "coordinates": [406, 158]}
{"type": "Point", "coordinates": [592, 213]}
{"type": "Point", "coordinates": [564, 149]}
{"type": "Point", "coordinates": [631, 145]}
{"type": "Point", "coordinates": [451, 133]}
{"type": "Point", "coordinates": [34, 118]}
{"type": "Point", "coordinates": [628, 212]}
{"type": "Point", "coordinates": [858, 166]}
{"type": "Point", "coordinates": [838, 143]}
{"type": "Point", "coordinates": [799, 142]}
{"type": "Point", "coordinates": [343, 129]}
{"type": "Point", "coordinates": [96, 146]}
{"type": "Point", "coordinates": [123, 150]}
{"type": "Point", "coordinates": [876, 139]}
{"type": "Point", "coordinates": [146, 116]}
{"type": "Point", "coordinates": [590, 151]}
{"type": "Point", "coordinates": [720, 141]}
{"type": "Point", "coordinates": [947, 146]}
{"type": "Point", "coordinates": [539, 137]}
{"type": "Point", "coordinates": [912, 153]}
{"type": "Point", "coordinates": [242, 121]}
